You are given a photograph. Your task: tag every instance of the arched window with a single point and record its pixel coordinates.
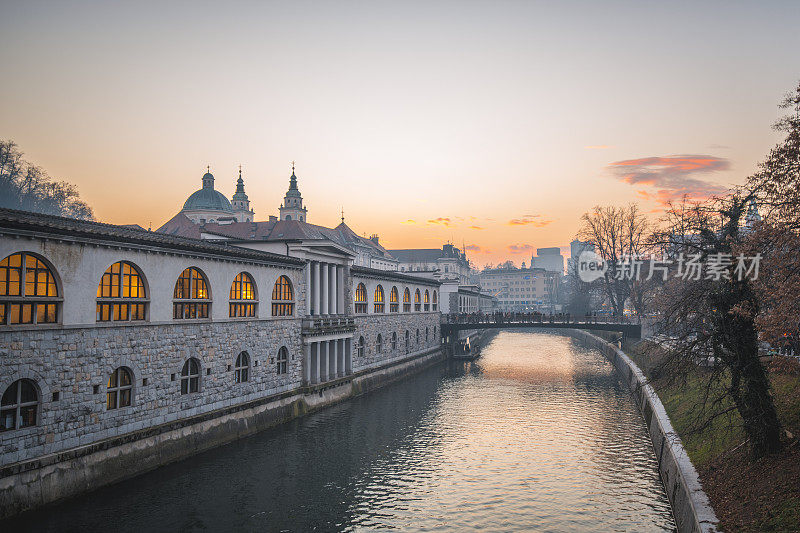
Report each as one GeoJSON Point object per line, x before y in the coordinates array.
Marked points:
{"type": "Point", "coordinates": [121, 295]}
{"type": "Point", "coordinates": [427, 300]}
{"type": "Point", "coordinates": [379, 344]}
{"type": "Point", "coordinates": [417, 335]}
{"type": "Point", "coordinates": [120, 389]}
{"type": "Point", "coordinates": [406, 301]}
{"type": "Point", "coordinates": [417, 304]}
{"type": "Point", "coordinates": [243, 296]}
{"type": "Point", "coordinates": [283, 360]}
{"type": "Point", "coordinates": [435, 301]}
{"type": "Point", "coordinates": [408, 341]}
{"type": "Point", "coordinates": [28, 291]}
{"type": "Point", "coordinates": [190, 376]}
{"type": "Point", "coordinates": [378, 302]}
{"type": "Point", "coordinates": [241, 371]}
{"type": "Point", "coordinates": [192, 299]}
{"type": "Point", "coordinates": [282, 297]}
{"type": "Point", "coordinates": [19, 405]}
{"type": "Point", "coordinates": [361, 298]}
{"type": "Point", "coordinates": [394, 340]}
{"type": "Point", "coordinates": [394, 305]}
{"type": "Point", "coordinates": [427, 333]}
{"type": "Point", "coordinates": [361, 346]}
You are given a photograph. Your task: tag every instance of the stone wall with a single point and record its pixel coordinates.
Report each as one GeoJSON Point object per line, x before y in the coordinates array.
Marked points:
{"type": "Point", "coordinates": [690, 505]}
{"type": "Point", "coordinates": [76, 364]}
{"type": "Point", "coordinates": [369, 326]}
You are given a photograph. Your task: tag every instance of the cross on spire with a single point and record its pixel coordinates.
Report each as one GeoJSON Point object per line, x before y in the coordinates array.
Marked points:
{"type": "Point", "coordinates": [342, 215]}
{"type": "Point", "coordinates": [292, 167]}
{"type": "Point", "coordinates": [240, 171]}
{"type": "Point", "coordinates": [208, 169]}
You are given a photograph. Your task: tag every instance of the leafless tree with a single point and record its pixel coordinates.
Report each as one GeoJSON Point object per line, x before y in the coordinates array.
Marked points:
{"type": "Point", "coordinates": [27, 187]}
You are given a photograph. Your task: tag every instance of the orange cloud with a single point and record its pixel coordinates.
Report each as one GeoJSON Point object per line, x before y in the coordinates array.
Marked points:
{"type": "Point", "coordinates": [520, 248]}
{"type": "Point", "coordinates": [672, 177]}
{"type": "Point", "coordinates": [529, 220]}
{"type": "Point", "coordinates": [475, 248]}
{"type": "Point", "coordinates": [409, 222]}
{"type": "Point", "coordinates": [444, 221]}
{"type": "Point", "coordinates": [476, 227]}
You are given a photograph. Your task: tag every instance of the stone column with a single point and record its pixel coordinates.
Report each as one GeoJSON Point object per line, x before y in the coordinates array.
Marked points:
{"type": "Point", "coordinates": [308, 289]}
{"type": "Point", "coordinates": [323, 362]}
{"type": "Point", "coordinates": [307, 363]}
{"type": "Point", "coordinates": [315, 362]}
{"type": "Point", "coordinates": [340, 289]}
{"type": "Point", "coordinates": [342, 368]}
{"type": "Point", "coordinates": [334, 358]}
{"type": "Point", "coordinates": [324, 310]}
{"type": "Point", "coordinates": [334, 301]}
{"type": "Point", "coordinates": [348, 356]}
{"type": "Point", "coordinates": [316, 287]}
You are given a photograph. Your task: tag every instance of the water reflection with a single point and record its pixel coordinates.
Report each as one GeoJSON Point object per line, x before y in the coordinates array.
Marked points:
{"type": "Point", "coordinates": [537, 434]}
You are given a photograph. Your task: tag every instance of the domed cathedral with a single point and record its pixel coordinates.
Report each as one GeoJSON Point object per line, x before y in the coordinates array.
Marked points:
{"type": "Point", "coordinates": [292, 208]}
{"type": "Point", "coordinates": [208, 205]}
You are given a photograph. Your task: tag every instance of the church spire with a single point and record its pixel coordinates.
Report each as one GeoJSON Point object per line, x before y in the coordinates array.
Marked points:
{"type": "Point", "coordinates": [240, 201]}
{"type": "Point", "coordinates": [292, 208]}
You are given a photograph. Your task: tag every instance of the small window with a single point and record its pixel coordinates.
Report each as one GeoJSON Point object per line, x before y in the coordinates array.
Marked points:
{"type": "Point", "coordinates": [283, 360]}
{"type": "Point", "coordinates": [427, 300]}
{"type": "Point", "coordinates": [417, 304]}
{"type": "Point", "coordinates": [241, 371]}
{"type": "Point", "coordinates": [243, 296]}
{"type": "Point", "coordinates": [19, 405]}
{"type": "Point", "coordinates": [418, 336]}
{"type": "Point", "coordinates": [190, 376]}
{"type": "Point", "coordinates": [192, 299]}
{"type": "Point", "coordinates": [361, 299]}
{"type": "Point", "coordinates": [394, 305]}
{"type": "Point", "coordinates": [408, 341]}
{"type": "Point", "coordinates": [379, 344]}
{"type": "Point", "coordinates": [435, 302]}
{"type": "Point", "coordinates": [394, 340]}
{"type": "Point", "coordinates": [406, 301]}
{"type": "Point", "coordinates": [378, 302]}
{"type": "Point", "coordinates": [427, 333]}
{"type": "Point", "coordinates": [28, 292]}
{"type": "Point", "coordinates": [119, 389]}
{"type": "Point", "coordinates": [283, 297]}
{"type": "Point", "coordinates": [361, 346]}
{"type": "Point", "coordinates": [120, 295]}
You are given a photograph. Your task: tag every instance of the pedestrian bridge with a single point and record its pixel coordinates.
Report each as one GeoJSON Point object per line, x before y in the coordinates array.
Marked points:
{"type": "Point", "coordinates": [452, 324]}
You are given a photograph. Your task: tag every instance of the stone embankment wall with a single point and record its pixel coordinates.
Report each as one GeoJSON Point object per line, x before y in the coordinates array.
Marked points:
{"type": "Point", "coordinates": [690, 505]}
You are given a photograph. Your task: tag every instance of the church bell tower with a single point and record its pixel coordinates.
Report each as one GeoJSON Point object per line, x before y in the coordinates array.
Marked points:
{"type": "Point", "coordinates": [292, 208]}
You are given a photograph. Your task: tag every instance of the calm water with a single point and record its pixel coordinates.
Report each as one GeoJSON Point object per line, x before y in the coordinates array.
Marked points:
{"type": "Point", "coordinates": [538, 434]}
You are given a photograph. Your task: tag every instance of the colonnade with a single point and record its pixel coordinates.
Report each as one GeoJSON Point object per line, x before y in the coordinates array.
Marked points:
{"type": "Point", "coordinates": [327, 360]}
{"type": "Point", "coordinates": [325, 288]}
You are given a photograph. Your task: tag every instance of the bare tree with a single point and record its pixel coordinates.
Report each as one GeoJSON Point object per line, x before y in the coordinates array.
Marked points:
{"type": "Point", "coordinates": [28, 187]}
{"type": "Point", "coordinates": [618, 234]}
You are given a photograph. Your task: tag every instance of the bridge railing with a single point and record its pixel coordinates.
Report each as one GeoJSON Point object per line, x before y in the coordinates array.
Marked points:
{"type": "Point", "coordinates": [533, 318]}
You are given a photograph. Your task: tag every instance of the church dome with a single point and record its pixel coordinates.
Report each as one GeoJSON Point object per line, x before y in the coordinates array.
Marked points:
{"type": "Point", "coordinates": [207, 199]}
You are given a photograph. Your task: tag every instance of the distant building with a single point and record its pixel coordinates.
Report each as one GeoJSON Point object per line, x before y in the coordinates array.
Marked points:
{"type": "Point", "coordinates": [576, 247]}
{"type": "Point", "coordinates": [523, 289]}
{"type": "Point", "coordinates": [549, 259]}
{"type": "Point", "coordinates": [446, 264]}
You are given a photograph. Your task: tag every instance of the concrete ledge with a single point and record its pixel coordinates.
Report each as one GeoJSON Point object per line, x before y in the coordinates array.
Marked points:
{"type": "Point", "coordinates": [690, 505]}
{"type": "Point", "coordinates": [26, 486]}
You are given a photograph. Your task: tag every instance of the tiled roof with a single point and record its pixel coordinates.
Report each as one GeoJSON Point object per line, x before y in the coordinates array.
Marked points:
{"type": "Point", "coordinates": [52, 226]}
{"type": "Point", "coordinates": [391, 274]}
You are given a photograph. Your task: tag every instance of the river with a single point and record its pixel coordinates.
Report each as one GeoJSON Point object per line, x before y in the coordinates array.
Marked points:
{"type": "Point", "coordinates": [537, 434]}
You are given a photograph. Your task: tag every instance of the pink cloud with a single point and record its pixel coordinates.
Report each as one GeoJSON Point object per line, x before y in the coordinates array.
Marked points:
{"type": "Point", "coordinates": [443, 221]}
{"type": "Point", "coordinates": [520, 248]}
{"type": "Point", "coordinates": [529, 220]}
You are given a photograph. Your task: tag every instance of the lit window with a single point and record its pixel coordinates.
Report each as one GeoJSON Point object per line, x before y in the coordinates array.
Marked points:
{"type": "Point", "coordinates": [119, 389]}
{"type": "Point", "coordinates": [378, 302]}
{"type": "Point", "coordinates": [361, 299]}
{"type": "Point", "coordinates": [394, 305]}
{"type": "Point", "coordinates": [283, 360]}
{"type": "Point", "coordinates": [19, 405]}
{"type": "Point", "coordinates": [121, 295]}
{"type": "Point", "coordinates": [190, 376]}
{"type": "Point", "coordinates": [282, 297]}
{"type": "Point", "coordinates": [243, 296]}
{"type": "Point", "coordinates": [406, 301]}
{"type": "Point", "coordinates": [427, 300]}
{"type": "Point", "coordinates": [241, 371]}
{"type": "Point", "coordinates": [192, 299]}
{"type": "Point", "coordinates": [417, 304]}
{"type": "Point", "coordinates": [28, 292]}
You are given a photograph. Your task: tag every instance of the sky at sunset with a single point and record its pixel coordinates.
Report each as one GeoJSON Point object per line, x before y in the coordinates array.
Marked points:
{"type": "Point", "coordinates": [496, 124]}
